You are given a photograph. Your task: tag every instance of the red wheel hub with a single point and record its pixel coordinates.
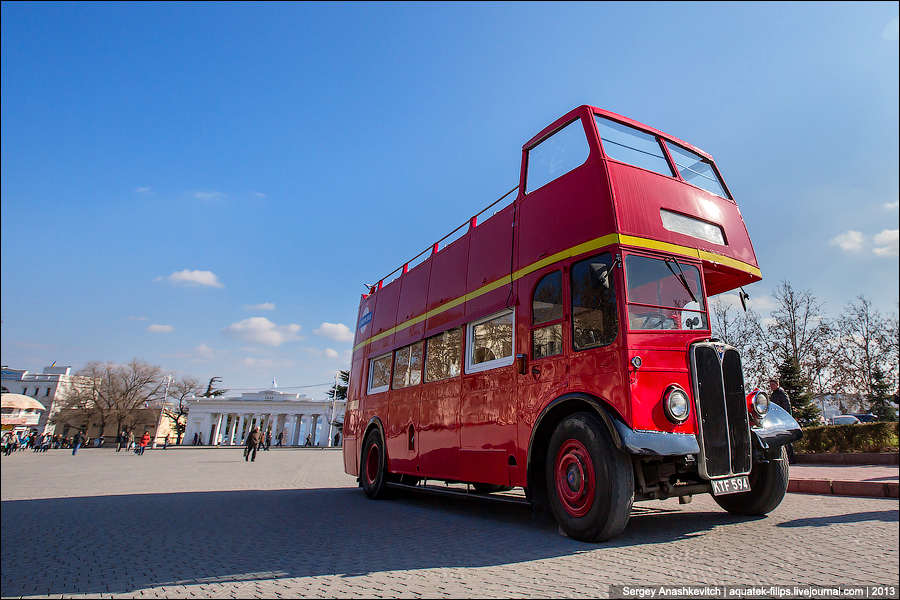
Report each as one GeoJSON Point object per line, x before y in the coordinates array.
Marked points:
{"type": "Point", "coordinates": [372, 463]}
{"type": "Point", "coordinates": [575, 484]}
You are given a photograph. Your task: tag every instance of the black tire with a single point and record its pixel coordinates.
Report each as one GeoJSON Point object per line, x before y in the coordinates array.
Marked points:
{"type": "Point", "coordinates": [590, 483]}
{"type": "Point", "coordinates": [490, 488]}
{"type": "Point", "coordinates": [372, 468]}
{"type": "Point", "coordinates": [768, 485]}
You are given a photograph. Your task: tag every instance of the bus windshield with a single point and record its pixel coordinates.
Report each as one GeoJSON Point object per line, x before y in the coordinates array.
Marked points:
{"type": "Point", "coordinates": [664, 294]}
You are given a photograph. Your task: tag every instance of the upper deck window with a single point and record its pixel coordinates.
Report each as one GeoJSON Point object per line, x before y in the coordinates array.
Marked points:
{"type": "Point", "coordinates": [556, 156]}
{"type": "Point", "coordinates": [664, 294]}
{"type": "Point", "coordinates": [632, 146]}
{"type": "Point", "coordinates": [697, 170]}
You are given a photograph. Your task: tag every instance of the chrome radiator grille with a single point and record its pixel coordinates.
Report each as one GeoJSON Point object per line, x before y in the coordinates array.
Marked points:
{"type": "Point", "coordinates": [721, 410]}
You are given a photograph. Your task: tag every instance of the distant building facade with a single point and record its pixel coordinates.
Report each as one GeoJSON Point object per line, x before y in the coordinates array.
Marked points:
{"type": "Point", "coordinates": [226, 421]}
{"type": "Point", "coordinates": [49, 387]}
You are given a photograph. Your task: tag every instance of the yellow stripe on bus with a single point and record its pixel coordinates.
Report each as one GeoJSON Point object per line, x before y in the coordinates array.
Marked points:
{"type": "Point", "coordinates": [594, 244]}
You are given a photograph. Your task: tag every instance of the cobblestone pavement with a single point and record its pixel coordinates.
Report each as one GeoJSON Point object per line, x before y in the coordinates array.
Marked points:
{"type": "Point", "coordinates": [205, 523]}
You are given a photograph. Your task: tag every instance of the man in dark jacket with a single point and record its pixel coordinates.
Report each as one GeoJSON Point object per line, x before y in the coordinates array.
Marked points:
{"type": "Point", "coordinates": [253, 439]}
{"type": "Point", "coordinates": [780, 397]}
{"type": "Point", "coordinates": [76, 442]}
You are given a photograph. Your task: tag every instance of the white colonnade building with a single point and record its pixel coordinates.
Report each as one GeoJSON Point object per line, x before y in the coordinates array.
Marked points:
{"type": "Point", "coordinates": [226, 421]}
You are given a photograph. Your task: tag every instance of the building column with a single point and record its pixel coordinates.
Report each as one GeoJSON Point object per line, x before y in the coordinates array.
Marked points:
{"type": "Point", "coordinates": [234, 422]}
{"type": "Point", "coordinates": [217, 430]}
{"type": "Point", "coordinates": [298, 440]}
{"type": "Point", "coordinates": [240, 429]}
{"type": "Point", "coordinates": [314, 428]}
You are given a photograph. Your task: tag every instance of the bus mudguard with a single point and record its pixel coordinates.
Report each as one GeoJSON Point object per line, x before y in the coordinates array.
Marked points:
{"type": "Point", "coordinates": [774, 430]}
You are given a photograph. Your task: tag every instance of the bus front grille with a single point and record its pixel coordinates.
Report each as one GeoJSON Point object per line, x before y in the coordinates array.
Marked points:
{"type": "Point", "coordinates": [721, 410]}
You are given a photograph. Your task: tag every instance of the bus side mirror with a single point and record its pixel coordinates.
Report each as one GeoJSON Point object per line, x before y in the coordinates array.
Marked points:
{"type": "Point", "coordinates": [520, 364]}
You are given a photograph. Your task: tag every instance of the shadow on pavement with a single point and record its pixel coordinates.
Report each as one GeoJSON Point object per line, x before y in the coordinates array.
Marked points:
{"type": "Point", "coordinates": [118, 544]}
{"type": "Point", "coordinates": [888, 516]}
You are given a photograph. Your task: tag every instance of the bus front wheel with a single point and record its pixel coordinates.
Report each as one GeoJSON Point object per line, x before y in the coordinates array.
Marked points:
{"type": "Point", "coordinates": [372, 473]}
{"type": "Point", "coordinates": [590, 482]}
{"type": "Point", "coordinates": [768, 485]}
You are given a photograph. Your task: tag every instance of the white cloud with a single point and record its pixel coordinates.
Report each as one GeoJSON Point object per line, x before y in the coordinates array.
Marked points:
{"type": "Point", "coordinates": [203, 352]}
{"type": "Point", "coordinates": [849, 241]}
{"type": "Point", "coordinates": [886, 242]}
{"type": "Point", "coordinates": [136, 318]}
{"type": "Point", "coordinates": [262, 306]}
{"type": "Point", "coordinates": [334, 331]}
{"type": "Point", "coordinates": [160, 328]}
{"type": "Point", "coordinates": [329, 353]}
{"type": "Point", "coordinates": [891, 205]}
{"type": "Point", "coordinates": [193, 278]}
{"type": "Point", "coordinates": [259, 194]}
{"type": "Point", "coordinates": [144, 189]}
{"type": "Point", "coordinates": [260, 330]}
{"type": "Point", "coordinates": [254, 362]}
{"type": "Point", "coordinates": [891, 31]}
{"type": "Point", "coordinates": [208, 195]}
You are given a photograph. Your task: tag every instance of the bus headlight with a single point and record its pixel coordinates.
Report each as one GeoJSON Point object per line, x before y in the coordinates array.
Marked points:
{"type": "Point", "coordinates": [676, 404]}
{"type": "Point", "coordinates": [760, 404]}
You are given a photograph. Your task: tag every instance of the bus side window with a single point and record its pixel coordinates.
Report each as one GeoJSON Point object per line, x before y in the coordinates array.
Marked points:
{"type": "Point", "coordinates": [546, 316]}
{"type": "Point", "coordinates": [489, 342]}
{"type": "Point", "coordinates": [379, 373]}
{"type": "Point", "coordinates": [408, 366]}
{"type": "Point", "coordinates": [594, 318]}
{"type": "Point", "coordinates": [556, 156]}
{"type": "Point", "coordinates": [442, 354]}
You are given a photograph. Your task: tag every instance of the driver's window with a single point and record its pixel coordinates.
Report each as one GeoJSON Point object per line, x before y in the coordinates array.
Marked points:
{"type": "Point", "coordinates": [594, 319]}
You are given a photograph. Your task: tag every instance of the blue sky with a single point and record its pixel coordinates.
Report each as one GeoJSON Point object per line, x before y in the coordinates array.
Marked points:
{"type": "Point", "coordinates": [207, 187]}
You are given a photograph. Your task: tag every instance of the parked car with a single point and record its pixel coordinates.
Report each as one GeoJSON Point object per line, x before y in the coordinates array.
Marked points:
{"type": "Point", "coordinates": [844, 420]}
{"type": "Point", "coordinates": [865, 417]}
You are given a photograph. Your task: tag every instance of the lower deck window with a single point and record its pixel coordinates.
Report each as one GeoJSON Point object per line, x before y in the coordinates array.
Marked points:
{"type": "Point", "coordinates": [379, 374]}
{"type": "Point", "coordinates": [490, 342]}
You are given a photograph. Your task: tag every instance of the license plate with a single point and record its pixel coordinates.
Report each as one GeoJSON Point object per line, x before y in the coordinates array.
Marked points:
{"type": "Point", "coordinates": [732, 485]}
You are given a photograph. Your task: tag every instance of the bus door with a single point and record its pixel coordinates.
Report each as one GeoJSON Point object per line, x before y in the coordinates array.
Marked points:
{"type": "Point", "coordinates": [595, 365]}
{"type": "Point", "coordinates": [543, 338]}
{"type": "Point", "coordinates": [403, 410]}
{"type": "Point", "coordinates": [487, 410]}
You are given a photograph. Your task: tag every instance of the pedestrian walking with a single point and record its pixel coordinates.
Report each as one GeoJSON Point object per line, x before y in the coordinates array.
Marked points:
{"type": "Point", "coordinates": [120, 439]}
{"type": "Point", "coordinates": [130, 440]}
{"type": "Point", "coordinates": [76, 442]}
{"type": "Point", "coordinates": [280, 439]}
{"type": "Point", "coordinates": [145, 439]}
{"type": "Point", "coordinates": [166, 442]}
{"type": "Point", "coordinates": [268, 439]}
{"type": "Point", "coordinates": [252, 442]}
{"type": "Point", "coordinates": [308, 441]}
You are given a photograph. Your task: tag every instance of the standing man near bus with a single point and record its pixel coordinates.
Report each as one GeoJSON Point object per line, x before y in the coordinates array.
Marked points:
{"type": "Point", "coordinates": [781, 398]}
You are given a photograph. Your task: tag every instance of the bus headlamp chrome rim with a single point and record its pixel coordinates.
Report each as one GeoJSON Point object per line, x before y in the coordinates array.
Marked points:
{"type": "Point", "coordinates": [676, 404]}
{"type": "Point", "coordinates": [760, 404]}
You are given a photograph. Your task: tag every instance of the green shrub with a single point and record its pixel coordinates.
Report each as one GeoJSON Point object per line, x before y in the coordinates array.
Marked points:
{"type": "Point", "coordinates": [862, 437]}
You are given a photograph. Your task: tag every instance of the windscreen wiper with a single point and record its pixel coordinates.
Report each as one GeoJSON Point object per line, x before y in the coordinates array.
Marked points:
{"type": "Point", "coordinates": [680, 277]}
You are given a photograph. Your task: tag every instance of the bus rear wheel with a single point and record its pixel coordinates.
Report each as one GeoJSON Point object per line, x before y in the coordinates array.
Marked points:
{"type": "Point", "coordinates": [372, 471]}
{"type": "Point", "coordinates": [768, 485]}
{"type": "Point", "coordinates": [590, 482]}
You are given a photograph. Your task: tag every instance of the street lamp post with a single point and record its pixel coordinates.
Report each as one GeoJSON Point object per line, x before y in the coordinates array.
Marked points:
{"type": "Point", "coordinates": [331, 420]}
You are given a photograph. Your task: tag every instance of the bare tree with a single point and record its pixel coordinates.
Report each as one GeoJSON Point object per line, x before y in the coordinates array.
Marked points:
{"type": "Point", "coordinates": [744, 331]}
{"type": "Point", "coordinates": [867, 345]}
{"type": "Point", "coordinates": [176, 409]}
{"type": "Point", "coordinates": [799, 330]}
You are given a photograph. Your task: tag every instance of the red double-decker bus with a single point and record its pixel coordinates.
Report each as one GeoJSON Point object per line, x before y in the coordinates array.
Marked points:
{"type": "Point", "coordinates": [562, 344]}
